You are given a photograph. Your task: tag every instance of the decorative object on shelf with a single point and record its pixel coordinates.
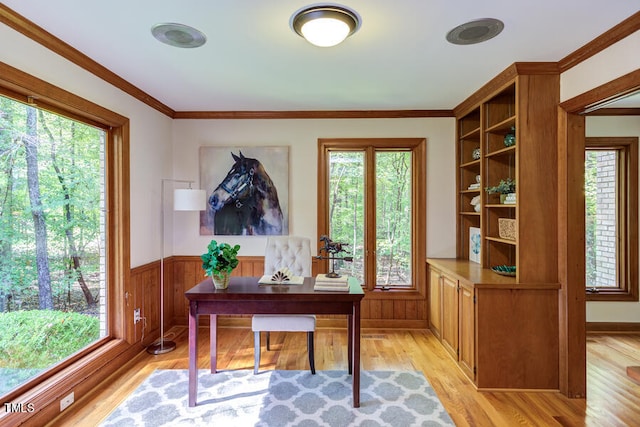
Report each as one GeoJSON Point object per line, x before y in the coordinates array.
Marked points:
{"type": "Point", "coordinates": [505, 187]}
{"type": "Point", "coordinates": [510, 137]}
{"type": "Point", "coordinates": [475, 246]}
{"type": "Point", "coordinates": [505, 270]}
{"type": "Point", "coordinates": [507, 228]}
{"type": "Point", "coordinates": [478, 178]}
{"type": "Point", "coordinates": [509, 199]}
{"type": "Point", "coordinates": [474, 186]}
{"type": "Point", "coordinates": [476, 154]}
{"type": "Point", "coordinates": [219, 261]}
{"type": "Point", "coordinates": [332, 250]}
{"type": "Point", "coordinates": [475, 202]}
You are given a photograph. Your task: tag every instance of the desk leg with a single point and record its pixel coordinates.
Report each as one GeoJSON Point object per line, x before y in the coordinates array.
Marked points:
{"type": "Point", "coordinates": [356, 355]}
{"type": "Point", "coordinates": [213, 337]}
{"type": "Point", "coordinates": [193, 353]}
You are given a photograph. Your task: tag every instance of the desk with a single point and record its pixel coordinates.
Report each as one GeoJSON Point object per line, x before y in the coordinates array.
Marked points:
{"type": "Point", "coordinates": [245, 296]}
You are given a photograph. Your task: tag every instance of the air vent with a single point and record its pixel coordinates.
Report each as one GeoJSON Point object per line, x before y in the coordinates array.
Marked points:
{"type": "Point", "coordinates": [475, 31]}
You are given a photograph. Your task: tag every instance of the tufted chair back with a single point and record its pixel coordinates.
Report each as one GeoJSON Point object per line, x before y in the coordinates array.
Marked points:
{"type": "Point", "coordinates": [288, 251]}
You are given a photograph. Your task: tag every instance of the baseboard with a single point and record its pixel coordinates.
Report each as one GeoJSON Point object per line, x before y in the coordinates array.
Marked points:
{"type": "Point", "coordinates": [617, 327]}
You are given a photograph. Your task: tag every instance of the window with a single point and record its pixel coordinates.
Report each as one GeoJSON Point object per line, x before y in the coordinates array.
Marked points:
{"type": "Point", "coordinates": [64, 236]}
{"type": "Point", "coordinates": [371, 196]}
{"type": "Point", "coordinates": [611, 212]}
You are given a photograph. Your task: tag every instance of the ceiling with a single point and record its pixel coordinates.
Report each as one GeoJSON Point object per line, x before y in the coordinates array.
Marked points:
{"type": "Point", "coordinates": [253, 61]}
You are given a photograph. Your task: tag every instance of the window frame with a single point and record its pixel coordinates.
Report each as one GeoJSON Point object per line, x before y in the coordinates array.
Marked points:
{"type": "Point", "coordinates": [627, 185]}
{"type": "Point", "coordinates": [73, 372]}
{"type": "Point", "coordinates": [417, 146]}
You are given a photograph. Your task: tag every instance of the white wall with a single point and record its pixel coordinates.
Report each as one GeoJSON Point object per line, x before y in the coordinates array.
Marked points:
{"type": "Point", "coordinates": [618, 60]}
{"type": "Point", "coordinates": [599, 311]}
{"type": "Point", "coordinates": [150, 136]}
{"type": "Point", "coordinates": [301, 136]}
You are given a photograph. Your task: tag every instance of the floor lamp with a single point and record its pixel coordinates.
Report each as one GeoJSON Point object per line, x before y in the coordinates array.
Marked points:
{"type": "Point", "coordinates": [183, 200]}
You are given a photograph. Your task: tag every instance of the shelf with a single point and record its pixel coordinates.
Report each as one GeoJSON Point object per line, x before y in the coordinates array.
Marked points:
{"type": "Point", "coordinates": [503, 151]}
{"type": "Point", "coordinates": [502, 127]}
{"type": "Point", "coordinates": [472, 135]}
{"type": "Point", "coordinates": [470, 164]}
{"type": "Point", "coordinates": [470, 191]}
{"type": "Point", "coordinates": [499, 240]}
{"type": "Point", "coordinates": [470, 213]}
{"type": "Point", "coordinates": [501, 205]}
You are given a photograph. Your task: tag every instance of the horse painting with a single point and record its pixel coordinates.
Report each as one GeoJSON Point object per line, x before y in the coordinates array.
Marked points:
{"type": "Point", "coordinates": [246, 201]}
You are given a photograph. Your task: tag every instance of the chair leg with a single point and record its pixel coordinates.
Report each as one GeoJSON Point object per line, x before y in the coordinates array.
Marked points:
{"type": "Point", "coordinates": [256, 351]}
{"type": "Point", "coordinates": [312, 363]}
{"type": "Point", "coordinates": [268, 341]}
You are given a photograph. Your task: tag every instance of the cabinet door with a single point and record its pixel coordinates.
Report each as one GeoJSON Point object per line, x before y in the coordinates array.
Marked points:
{"type": "Point", "coordinates": [450, 315]}
{"type": "Point", "coordinates": [467, 353]}
{"type": "Point", "coordinates": [435, 301]}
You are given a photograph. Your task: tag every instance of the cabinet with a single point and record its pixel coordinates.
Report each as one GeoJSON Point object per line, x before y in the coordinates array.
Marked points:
{"type": "Point", "coordinates": [502, 334]}
{"type": "Point", "coordinates": [435, 302]}
{"type": "Point", "coordinates": [524, 103]}
{"type": "Point", "coordinates": [455, 311]}
{"type": "Point", "coordinates": [449, 336]}
{"type": "Point", "coordinates": [467, 329]}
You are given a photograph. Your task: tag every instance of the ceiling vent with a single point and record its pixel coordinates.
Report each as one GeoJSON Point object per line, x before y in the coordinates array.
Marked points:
{"type": "Point", "coordinates": [476, 31]}
{"type": "Point", "coordinates": [178, 35]}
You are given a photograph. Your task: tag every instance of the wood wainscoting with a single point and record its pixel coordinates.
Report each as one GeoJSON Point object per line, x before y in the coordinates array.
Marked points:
{"type": "Point", "coordinates": [406, 310]}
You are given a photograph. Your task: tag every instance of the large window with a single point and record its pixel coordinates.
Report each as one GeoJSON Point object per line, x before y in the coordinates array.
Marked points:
{"type": "Point", "coordinates": [611, 195]}
{"type": "Point", "coordinates": [372, 197]}
{"type": "Point", "coordinates": [52, 240]}
{"type": "Point", "coordinates": [64, 240]}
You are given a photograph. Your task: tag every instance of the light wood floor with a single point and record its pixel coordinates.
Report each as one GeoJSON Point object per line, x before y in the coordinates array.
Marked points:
{"type": "Point", "coordinates": [612, 398]}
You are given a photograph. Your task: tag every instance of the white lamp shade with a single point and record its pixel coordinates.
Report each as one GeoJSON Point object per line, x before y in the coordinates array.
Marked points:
{"type": "Point", "coordinates": [189, 200]}
{"type": "Point", "coordinates": [325, 32]}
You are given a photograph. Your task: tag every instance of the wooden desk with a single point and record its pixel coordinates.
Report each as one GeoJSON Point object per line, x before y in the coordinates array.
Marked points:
{"type": "Point", "coordinates": [245, 296]}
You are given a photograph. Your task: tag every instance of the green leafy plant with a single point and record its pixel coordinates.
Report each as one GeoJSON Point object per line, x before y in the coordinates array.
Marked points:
{"type": "Point", "coordinates": [505, 186]}
{"type": "Point", "coordinates": [219, 258]}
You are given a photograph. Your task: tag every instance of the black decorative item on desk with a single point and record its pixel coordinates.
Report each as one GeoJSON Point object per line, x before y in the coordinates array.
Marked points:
{"type": "Point", "coordinates": [332, 250]}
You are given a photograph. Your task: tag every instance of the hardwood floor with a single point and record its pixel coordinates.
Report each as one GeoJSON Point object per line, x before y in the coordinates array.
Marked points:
{"type": "Point", "coordinates": [613, 398]}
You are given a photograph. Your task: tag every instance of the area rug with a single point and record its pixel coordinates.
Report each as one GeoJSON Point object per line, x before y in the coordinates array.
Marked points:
{"type": "Point", "coordinates": [282, 398]}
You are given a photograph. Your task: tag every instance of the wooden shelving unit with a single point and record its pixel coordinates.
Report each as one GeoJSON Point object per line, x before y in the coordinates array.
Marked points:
{"type": "Point", "coordinates": [524, 104]}
{"type": "Point", "coordinates": [503, 331]}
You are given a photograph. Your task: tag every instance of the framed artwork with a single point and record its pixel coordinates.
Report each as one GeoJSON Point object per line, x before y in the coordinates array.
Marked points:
{"type": "Point", "coordinates": [247, 190]}
{"type": "Point", "coordinates": [475, 245]}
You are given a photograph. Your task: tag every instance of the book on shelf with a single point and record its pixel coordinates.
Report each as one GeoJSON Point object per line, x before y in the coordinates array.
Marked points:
{"type": "Point", "coordinates": [324, 283]}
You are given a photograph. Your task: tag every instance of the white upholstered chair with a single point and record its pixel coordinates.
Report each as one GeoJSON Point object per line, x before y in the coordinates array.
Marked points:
{"type": "Point", "coordinates": [295, 254]}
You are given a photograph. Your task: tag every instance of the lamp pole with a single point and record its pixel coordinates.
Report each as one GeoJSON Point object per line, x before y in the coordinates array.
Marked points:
{"type": "Point", "coordinates": [197, 202]}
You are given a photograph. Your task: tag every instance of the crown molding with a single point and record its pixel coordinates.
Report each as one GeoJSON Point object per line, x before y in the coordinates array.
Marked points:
{"type": "Point", "coordinates": [317, 114]}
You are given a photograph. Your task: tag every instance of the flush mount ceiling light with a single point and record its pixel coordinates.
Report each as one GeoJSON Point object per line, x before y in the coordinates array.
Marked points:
{"type": "Point", "coordinates": [178, 35]}
{"type": "Point", "coordinates": [475, 31]}
{"type": "Point", "coordinates": [325, 26]}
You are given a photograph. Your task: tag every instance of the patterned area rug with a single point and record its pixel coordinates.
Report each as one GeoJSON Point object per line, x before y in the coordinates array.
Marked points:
{"type": "Point", "coordinates": [282, 398]}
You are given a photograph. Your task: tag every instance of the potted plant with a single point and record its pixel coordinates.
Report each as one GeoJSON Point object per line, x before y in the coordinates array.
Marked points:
{"type": "Point", "coordinates": [219, 261]}
{"type": "Point", "coordinates": [506, 186]}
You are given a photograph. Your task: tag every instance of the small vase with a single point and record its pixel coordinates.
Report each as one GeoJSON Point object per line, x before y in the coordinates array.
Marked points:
{"type": "Point", "coordinates": [221, 281]}
{"type": "Point", "coordinates": [503, 197]}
